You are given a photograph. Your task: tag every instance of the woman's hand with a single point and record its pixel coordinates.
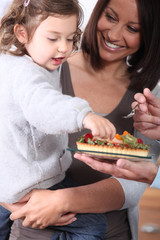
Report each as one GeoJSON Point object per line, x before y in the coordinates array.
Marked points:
{"type": "Point", "coordinates": [44, 208]}
{"type": "Point", "coordinates": [142, 171]}
{"type": "Point", "coordinates": [13, 207]}
{"type": "Point", "coordinates": [147, 117]}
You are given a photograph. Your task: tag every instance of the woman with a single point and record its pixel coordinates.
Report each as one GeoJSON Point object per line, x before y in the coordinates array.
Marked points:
{"type": "Point", "coordinates": [117, 29]}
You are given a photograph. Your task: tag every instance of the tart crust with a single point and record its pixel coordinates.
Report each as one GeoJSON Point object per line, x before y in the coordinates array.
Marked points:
{"type": "Point", "coordinates": [109, 149]}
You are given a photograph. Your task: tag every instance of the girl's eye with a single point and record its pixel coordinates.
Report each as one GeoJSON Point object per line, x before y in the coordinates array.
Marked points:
{"type": "Point", "coordinates": [52, 39]}
{"type": "Point", "coordinates": [132, 29]}
{"type": "Point", "coordinates": [70, 39]}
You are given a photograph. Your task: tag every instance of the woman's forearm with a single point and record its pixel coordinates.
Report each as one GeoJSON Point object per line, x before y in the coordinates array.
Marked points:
{"type": "Point", "coordinates": [100, 197]}
{"type": "Point", "coordinates": [46, 207]}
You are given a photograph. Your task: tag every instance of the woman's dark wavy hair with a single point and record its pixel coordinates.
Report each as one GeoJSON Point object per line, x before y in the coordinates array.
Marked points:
{"type": "Point", "coordinates": [27, 16]}
{"type": "Point", "coordinates": [144, 70]}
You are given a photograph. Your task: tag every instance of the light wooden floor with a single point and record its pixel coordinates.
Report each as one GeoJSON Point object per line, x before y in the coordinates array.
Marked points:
{"type": "Point", "coordinates": [150, 214]}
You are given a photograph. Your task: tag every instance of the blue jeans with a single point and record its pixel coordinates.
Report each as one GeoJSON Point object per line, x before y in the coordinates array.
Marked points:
{"type": "Point", "coordinates": [5, 223]}
{"type": "Point", "coordinates": [86, 227]}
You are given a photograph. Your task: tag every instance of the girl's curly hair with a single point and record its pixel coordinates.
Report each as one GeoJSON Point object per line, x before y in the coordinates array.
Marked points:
{"type": "Point", "coordinates": [27, 16]}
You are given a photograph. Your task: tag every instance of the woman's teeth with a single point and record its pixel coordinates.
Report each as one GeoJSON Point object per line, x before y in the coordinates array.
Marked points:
{"type": "Point", "coordinates": [111, 45]}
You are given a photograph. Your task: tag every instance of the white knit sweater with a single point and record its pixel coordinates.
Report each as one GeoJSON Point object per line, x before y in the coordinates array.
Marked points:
{"type": "Point", "coordinates": [34, 121]}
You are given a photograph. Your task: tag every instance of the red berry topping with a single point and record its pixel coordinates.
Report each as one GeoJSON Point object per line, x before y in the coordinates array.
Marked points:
{"type": "Point", "coordinates": [88, 135]}
{"type": "Point", "coordinates": [139, 140]}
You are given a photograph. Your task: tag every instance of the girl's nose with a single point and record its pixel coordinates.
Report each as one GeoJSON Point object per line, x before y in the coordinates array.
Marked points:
{"type": "Point", "coordinates": [63, 47]}
{"type": "Point", "coordinates": [115, 33]}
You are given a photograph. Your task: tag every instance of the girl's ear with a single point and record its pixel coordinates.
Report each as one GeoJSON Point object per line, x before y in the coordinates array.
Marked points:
{"type": "Point", "coordinates": [21, 33]}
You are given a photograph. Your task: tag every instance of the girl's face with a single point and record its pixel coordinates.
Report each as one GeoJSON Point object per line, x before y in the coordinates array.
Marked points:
{"type": "Point", "coordinates": [52, 42]}
{"type": "Point", "coordinates": [118, 30]}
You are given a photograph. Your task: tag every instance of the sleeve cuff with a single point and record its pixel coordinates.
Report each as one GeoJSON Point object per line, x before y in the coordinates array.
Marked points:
{"type": "Point", "coordinates": [156, 182]}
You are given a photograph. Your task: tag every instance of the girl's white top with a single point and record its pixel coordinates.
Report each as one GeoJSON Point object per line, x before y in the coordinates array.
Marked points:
{"type": "Point", "coordinates": [34, 121]}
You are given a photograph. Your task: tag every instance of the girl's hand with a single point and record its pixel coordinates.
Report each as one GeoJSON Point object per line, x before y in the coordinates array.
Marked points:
{"type": "Point", "coordinates": [44, 208]}
{"type": "Point", "coordinates": [99, 126]}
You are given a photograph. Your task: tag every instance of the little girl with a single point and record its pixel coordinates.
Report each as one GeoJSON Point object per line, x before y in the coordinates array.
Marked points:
{"type": "Point", "coordinates": [36, 38]}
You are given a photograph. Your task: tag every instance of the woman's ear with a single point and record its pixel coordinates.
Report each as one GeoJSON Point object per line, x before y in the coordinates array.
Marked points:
{"type": "Point", "coordinates": [21, 33]}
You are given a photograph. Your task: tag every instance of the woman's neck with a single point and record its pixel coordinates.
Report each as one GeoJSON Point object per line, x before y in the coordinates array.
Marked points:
{"type": "Point", "coordinates": [110, 70]}
{"type": "Point", "coordinates": [103, 89]}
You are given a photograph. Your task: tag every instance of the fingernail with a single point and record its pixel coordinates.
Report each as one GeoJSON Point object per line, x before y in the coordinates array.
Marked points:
{"type": "Point", "coordinates": [121, 164]}
{"type": "Point", "coordinates": [158, 121]}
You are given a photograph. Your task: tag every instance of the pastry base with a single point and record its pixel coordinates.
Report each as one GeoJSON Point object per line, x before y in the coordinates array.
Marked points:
{"type": "Point", "coordinates": [108, 149]}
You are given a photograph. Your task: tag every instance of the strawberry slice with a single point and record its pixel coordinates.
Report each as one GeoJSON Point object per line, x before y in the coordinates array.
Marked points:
{"type": "Point", "coordinates": [88, 135]}
{"type": "Point", "coordinates": [139, 140]}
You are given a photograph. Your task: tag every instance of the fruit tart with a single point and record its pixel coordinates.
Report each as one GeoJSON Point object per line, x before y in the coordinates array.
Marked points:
{"type": "Point", "coordinates": [125, 144]}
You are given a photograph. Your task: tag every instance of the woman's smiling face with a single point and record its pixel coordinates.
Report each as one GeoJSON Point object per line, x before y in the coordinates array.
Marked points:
{"type": "Point", "coordinates": [118, 30]}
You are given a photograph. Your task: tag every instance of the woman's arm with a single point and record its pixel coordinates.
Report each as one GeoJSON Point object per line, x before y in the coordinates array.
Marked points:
{"type": "Point", "coordinates": [45, 207]}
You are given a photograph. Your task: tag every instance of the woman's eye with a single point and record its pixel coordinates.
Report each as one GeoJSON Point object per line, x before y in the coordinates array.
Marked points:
{"type": "Point", "coordinates": [110, 17]}
{"type": "Point", "coordinates": [132, 29]}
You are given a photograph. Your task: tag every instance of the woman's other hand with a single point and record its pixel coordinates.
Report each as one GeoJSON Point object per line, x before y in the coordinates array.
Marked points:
{"type": "Point", "coordinates": [43, 209]}
{"type": "Point", "coordinates": [147, 117]}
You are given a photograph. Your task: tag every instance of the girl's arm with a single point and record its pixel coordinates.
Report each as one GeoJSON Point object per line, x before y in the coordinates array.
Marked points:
{"type": "Point", "coordinates": [43, 105]}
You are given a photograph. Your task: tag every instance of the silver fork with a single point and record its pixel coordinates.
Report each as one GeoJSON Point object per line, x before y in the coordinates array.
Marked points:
{"type": "Point", "coordinates": [131, 114]}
